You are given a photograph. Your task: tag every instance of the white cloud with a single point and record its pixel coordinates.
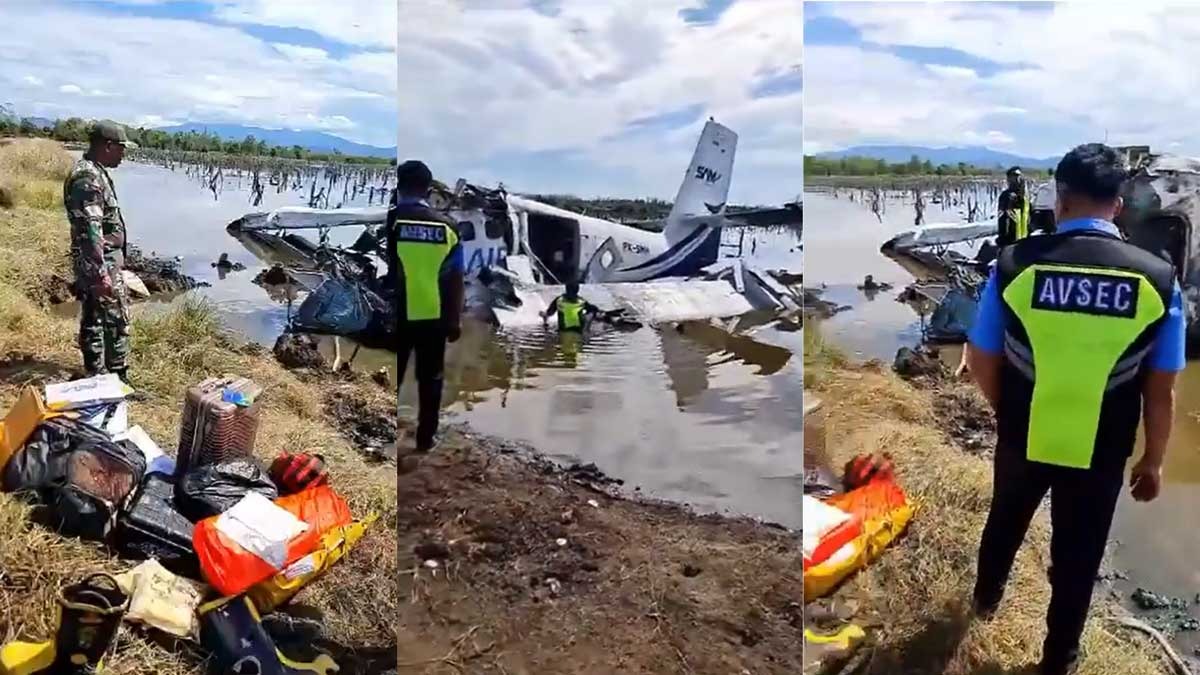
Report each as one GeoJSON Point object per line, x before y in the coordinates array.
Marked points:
{"type": "Point", "coordinates": [32, 81]}
{"type": "Point", "coordinates": [369, 23]}
{"type": "Point", "coordinates": [481, 83]}
{"type": "Point", "coordinates": [1125, 70]}
{"type": "Point", "coordinates": [172, 70]}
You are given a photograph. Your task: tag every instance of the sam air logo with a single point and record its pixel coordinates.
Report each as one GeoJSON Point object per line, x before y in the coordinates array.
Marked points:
{"type": "Point", "coordinates": [707, 175]}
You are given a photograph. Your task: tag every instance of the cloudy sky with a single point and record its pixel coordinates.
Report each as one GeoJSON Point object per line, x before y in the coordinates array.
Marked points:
{"type": "Point", "coordinates": [274, 63]}
{"type": "Point", "coordinates": [1029, 78]}
{"type": "Point", "coordinates": [602, 98]}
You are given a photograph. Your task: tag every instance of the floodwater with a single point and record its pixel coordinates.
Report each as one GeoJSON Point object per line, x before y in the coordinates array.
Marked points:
{"type": "Point", "coordinates": [170, 215]}
{"type": "Point", "coordinates": [843, 248]}
{"type": "Point", "coordinates": [1153, 543]}
{"type": "Point", "coordinates": [691, 413]}
{"type": "Point", "coordinates": [698, 415]}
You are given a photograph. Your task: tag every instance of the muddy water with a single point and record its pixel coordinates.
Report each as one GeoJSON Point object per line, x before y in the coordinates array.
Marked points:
{"type": "Point", "coordinates": [688, 413]}
{"type": "Point", "coordinates": [170, 215]}
{"type": "Point", "coordinates": [843, 247]}
{"type": "Point", "coordinates": [1154, 543]}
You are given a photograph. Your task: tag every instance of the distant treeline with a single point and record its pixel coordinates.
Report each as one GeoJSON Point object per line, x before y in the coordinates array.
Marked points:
{"type": "Point", "coordinates": [75, 130]}
{"type": "Point", "coordinates": [915, 166]}
{"type": "Point", "coordinates": [618, 209]}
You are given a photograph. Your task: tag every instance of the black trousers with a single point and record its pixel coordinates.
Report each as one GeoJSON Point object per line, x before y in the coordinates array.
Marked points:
{"type": "Point", "coordinates": [426, 340]}
{"type": "Point", "coordinates": [1082, 503]}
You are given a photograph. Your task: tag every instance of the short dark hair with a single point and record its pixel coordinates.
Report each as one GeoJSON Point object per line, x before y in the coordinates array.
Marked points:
{"type": "Point", "coordinates": [572, 287]}
{"type": "Point", "coordinates": [1092, 169]}
{"type": "Point", "coordinates": [1013, 170]}
{"type": "Point", "coordinates": [413, 177]}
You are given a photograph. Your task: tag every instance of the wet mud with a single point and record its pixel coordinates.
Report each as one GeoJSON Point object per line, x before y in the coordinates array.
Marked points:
{"type": "Point", "coordinates": [513, 563]}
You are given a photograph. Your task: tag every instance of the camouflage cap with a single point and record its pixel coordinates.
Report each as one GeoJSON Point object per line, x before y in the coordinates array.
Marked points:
{"type": "Point", "coordinates": [107, 130]}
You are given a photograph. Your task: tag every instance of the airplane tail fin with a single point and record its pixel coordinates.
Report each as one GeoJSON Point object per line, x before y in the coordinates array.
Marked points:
{"type": "Point", "coordinates": [705, 187]}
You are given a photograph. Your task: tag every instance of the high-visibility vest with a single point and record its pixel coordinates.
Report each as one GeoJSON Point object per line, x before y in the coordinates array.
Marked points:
{"type": "Point", "coordinates": [1020, 218]}
{"type": "Point", "coordinates": [1084, 308]}
{"type": "Point", "coordinates": [570, 313]}
{"type": "Point", "coordinates": [422, 248]}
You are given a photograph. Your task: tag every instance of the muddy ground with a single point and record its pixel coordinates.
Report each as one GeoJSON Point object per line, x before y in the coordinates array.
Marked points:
{"type": "Point", "coordinates": [510, 563]}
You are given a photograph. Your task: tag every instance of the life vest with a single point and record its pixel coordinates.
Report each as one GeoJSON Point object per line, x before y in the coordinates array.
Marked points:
{"type": "Point", "coordinates": [422, 247]}
{"type": "Point", "coordinates": [570, 313]}
{"type": "Point", "coordinates": [1020, 218]}
{"type": "Point", "coordinates": [1082, 309]}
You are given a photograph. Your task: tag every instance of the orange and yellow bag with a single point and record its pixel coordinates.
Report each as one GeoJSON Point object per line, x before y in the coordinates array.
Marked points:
{"type": "Point", "coordinates": [281, 588]}
{"type": "Point", "coordinates": [232, 569]}
{"type": "Point", "coordinates": [884, 510]}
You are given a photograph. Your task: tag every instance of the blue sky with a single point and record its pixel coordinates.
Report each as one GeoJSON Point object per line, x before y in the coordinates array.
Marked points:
{"type": "Point", "coordinates": [272, 63]}
{"type": "Point", "coordinates": [604, 98]}
{"type": "Point", "coordinates": [1029, 78]}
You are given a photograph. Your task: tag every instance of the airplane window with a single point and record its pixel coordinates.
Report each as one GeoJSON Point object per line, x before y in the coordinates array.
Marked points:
{"type": "Point", "coordinates": [606, 259]}
{"type": "Point", "coordinates": [494, 228]}
{"type": "Point", "coordinates": [466, 230]}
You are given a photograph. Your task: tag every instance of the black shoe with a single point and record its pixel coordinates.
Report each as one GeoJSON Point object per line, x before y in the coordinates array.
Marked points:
{"type": "Point", "coordinates": [428, 445]}
{"type": "Point", "coordinates": [1058, 667]}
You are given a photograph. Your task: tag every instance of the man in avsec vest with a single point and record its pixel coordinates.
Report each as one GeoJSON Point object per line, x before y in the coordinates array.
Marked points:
{"type": "Point", "coordinates": [425, 266]}
{"type": "Point", "coordinates": [1078, 334]}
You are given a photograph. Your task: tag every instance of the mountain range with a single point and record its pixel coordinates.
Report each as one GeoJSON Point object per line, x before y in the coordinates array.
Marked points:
{"type": "Point", "coordinates": [315, 141]}
{"type": "Point", "coordinates": [974, 155]}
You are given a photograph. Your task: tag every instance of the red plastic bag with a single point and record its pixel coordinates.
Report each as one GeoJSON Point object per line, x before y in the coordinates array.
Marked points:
{"type": "Point", "coordinates": [232, 569]}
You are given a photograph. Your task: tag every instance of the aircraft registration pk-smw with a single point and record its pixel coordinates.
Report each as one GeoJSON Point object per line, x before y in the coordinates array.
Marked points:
{"type": "Point", "coordinates": [519, 252]}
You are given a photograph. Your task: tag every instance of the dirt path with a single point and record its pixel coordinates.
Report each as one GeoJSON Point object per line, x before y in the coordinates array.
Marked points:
{"type": "Point", "coordinates": [512, 564]}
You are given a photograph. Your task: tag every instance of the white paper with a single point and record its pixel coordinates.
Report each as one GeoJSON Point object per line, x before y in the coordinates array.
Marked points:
{"type": "Point", "coordinates": [261, 527]}
{"type": "Point", "coordinates": [305, 565]}
{"type": "Point", "coordinates": [157, 461]}
{"type": "Point", "coordinates": [87, 392]}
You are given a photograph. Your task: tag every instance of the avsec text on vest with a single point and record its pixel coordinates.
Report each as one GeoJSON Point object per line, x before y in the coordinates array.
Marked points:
{"type": "Point", "coordinates": [1085, 293]}
{"type": "Point", "coordinates": [434, 234]}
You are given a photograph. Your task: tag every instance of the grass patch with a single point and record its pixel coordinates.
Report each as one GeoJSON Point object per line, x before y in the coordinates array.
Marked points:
{"type": "Point", "coordinates": [920, 588]}
{"type": "Point", "coordinates": [820, 358]}
{"type": "Point", "coordinates": [32, 171]}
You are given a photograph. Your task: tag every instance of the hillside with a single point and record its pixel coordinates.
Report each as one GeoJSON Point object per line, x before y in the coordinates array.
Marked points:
{"type": "Point", "coordinates": [970, 155]}
{"type": "Point", "coordinates": [316, 141]}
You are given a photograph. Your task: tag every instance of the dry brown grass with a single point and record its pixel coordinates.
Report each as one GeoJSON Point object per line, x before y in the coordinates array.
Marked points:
{"type": "Point", "coordinates": [171, 350]}
{"type": "Point", "coordinates": [920, 587]}
{"type": "Point", "coordinates": [32, 171]}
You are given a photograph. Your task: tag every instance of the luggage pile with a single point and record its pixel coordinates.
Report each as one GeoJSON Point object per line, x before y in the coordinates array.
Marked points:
{"type": "Point", "coordinates": [224, 539]}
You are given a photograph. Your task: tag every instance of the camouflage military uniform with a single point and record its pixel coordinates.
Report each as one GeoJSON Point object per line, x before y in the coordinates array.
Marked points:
{"type": "Point", "coordinates": [98, 251]}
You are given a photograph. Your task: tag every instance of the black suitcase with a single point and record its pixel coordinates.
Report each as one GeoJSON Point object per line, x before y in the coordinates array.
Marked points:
{"type": "Point", "coordinates": [153, 528]}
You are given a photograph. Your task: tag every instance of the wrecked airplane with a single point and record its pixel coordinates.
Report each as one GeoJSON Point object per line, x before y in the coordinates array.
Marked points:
{"type": "Point", "coordinates": [519, 252]}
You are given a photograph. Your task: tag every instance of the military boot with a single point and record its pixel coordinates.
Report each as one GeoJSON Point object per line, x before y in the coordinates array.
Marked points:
{"type": "Point", "coordinates": [231, 629]}
{"type": "Point", "coordinates": [90, 613]}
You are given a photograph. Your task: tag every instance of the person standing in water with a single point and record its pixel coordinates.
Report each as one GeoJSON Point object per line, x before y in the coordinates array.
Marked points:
{"type": "Point", "coordinates": [1079, 335]}
{"type": "Point", "coordinates": [572, 310]}
{"type": "Point", "coordinates": [425, 266]}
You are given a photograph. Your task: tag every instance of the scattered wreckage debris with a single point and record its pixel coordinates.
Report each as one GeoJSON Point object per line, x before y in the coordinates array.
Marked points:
{"type": "Point", "coordinates": [224, 541]}
{"type": "Point", "coordinates": [160, 275]}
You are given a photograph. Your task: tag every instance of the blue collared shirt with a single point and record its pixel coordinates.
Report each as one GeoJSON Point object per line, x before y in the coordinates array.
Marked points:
{"type": "Point", "coordinates": [1167, 353]}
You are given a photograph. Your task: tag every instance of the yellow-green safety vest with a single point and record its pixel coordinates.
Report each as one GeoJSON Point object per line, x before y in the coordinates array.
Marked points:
{"type": "Point", "coordinates": [1020, 218]}
{"type": "Point", "coordinates": [571, 312]}
{"type": "Point", "coordinates": [1081, 324]}
{"type": "Point", "coordinates": [422, 247]}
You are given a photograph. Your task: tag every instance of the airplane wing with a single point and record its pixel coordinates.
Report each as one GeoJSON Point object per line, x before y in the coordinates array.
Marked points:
{"type": "Point", "coordinates": [304, 218]}
{"type": "Point", "coordinates": [652, 301]}
{"type": "Point", "coordinates": [942, 234]}
{"type": "Point", "coordinates": [790, 214]}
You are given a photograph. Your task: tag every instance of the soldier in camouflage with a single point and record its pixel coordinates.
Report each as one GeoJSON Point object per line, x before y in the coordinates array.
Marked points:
{"type": "Point", "coordinates": [98, 251]}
